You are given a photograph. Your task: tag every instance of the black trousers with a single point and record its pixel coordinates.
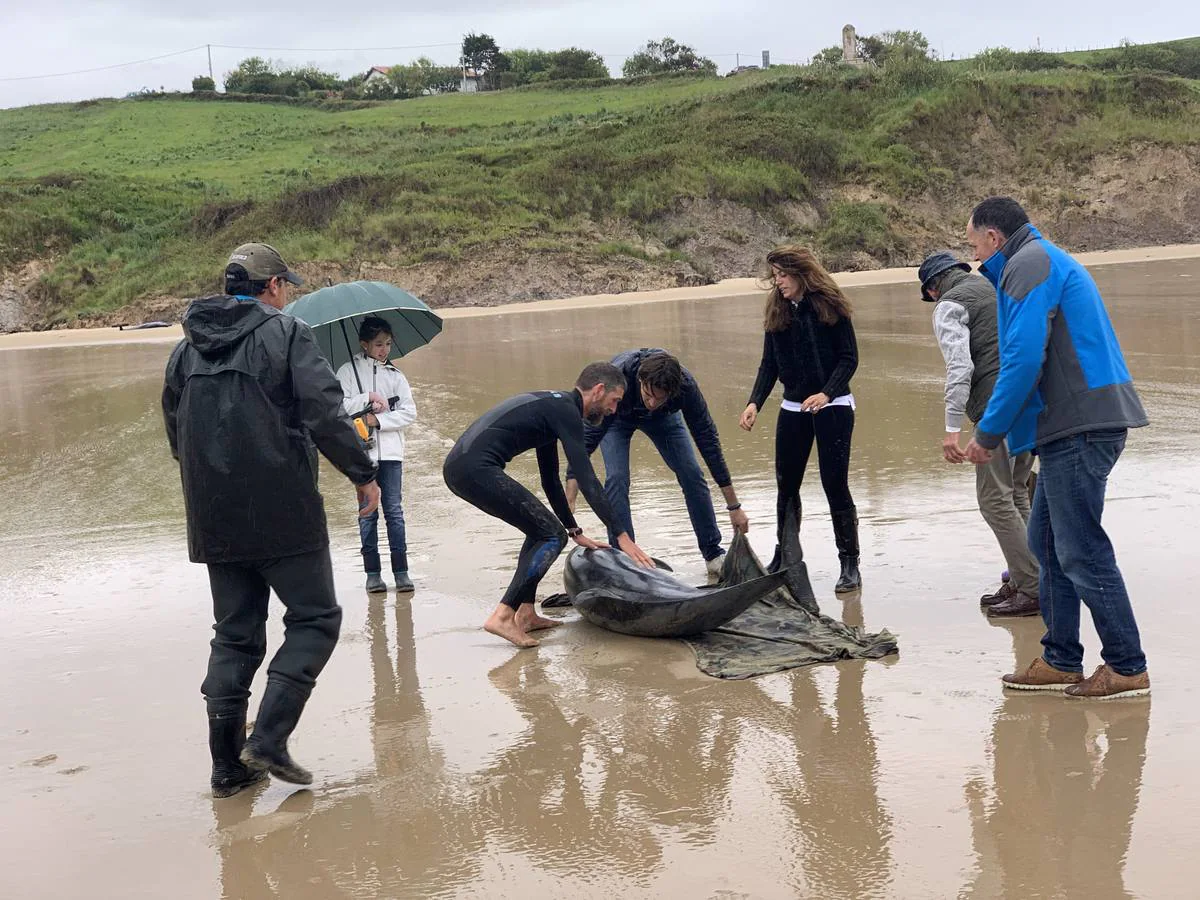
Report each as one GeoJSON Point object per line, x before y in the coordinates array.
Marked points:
{"type": "Point", "coordinates": [795, 433]}
{"type": "Point", "coordinates": [490, 489]}
{"type": "Point", "coordinates": [240, 592]}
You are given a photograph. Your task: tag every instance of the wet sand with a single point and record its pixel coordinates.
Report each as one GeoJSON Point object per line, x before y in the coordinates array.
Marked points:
{"type": "Point", "coordinates": [731, 289]}
{"type": "Point", "coordinates": [450, 765]}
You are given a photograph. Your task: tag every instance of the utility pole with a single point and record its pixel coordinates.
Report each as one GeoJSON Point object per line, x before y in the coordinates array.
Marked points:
{"type": "Point", "coordinates": [210, 74]}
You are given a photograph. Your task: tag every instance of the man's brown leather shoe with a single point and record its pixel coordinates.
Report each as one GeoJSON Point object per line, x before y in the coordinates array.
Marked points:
{"type": "Point", "coordinates": [1005, 592]}
{"type": "Point", "coordinates": [1039, 675]}
{"type": "Point", "coordinates": [1017, 605]}
{"type": "Point", "coordinates": [1106, 684]}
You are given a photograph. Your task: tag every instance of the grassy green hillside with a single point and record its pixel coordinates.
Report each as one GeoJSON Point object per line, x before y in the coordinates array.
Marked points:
{"type": "Point", "coordinates": [128, 200]}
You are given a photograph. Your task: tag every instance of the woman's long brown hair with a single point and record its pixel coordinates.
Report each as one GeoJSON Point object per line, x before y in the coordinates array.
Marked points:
{"type": "Point", "coordinates": [828, 301]}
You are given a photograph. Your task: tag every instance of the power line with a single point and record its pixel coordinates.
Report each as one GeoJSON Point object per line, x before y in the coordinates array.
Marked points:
{"type": "Point", "coordinates": [136, 62]}
{"type": "Point", "coordinates": [208, 47]}
{"type": "Point", "coordinates": [336, 49]}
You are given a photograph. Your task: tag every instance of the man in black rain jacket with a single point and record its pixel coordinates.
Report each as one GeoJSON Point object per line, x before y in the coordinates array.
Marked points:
{"type": "Point", "coordinates": [248, 400]}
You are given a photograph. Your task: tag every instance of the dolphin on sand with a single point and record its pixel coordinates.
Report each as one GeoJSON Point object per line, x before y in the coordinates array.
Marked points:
{"type": "Point", "coordinates": [611, 591]}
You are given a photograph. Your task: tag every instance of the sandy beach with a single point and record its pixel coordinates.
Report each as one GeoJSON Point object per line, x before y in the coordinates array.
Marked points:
{"type": "Point", "coordinates": [728, 289]}
{"type": "Point", "coordinates": [450, 765]}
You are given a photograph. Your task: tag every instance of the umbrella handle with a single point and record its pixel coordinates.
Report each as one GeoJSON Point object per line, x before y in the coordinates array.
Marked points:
{"type": "Point", "coordinates": [350, 353]}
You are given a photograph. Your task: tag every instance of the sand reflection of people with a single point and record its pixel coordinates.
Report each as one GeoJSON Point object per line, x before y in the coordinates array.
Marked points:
{"type": "Point", "coordinates": [557, 793]}
{"type": "Point", "coordinates": [539, 420]}
{"type": "Point", "coordinates": [844, 832]}
{"type": "Point", "coordinates": [1055, 817]}
{"type": "Point", "coordinates": [263, 856]}
{"type": "Point", "coordinates": [405, 825]}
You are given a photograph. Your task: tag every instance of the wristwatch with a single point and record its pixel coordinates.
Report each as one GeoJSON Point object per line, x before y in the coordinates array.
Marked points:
{"type": "Point", "coordinates": [574, 532]}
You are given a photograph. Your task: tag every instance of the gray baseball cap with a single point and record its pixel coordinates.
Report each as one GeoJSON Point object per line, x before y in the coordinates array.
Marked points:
{"type": "Point", "coordinates": [262, 262]}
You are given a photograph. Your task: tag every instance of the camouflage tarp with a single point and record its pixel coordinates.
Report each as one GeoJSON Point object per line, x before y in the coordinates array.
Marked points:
{"type": "Point", "coordinates": [778, 632]}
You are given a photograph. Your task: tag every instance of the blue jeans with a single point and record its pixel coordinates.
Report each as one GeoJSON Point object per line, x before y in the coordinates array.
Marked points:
{"type": "Point", "coordinates": [670, 436]}
{"type": "Point", "coordinates": [1076, 556]}
{"type": "Point", "coordinates": [389, 478]}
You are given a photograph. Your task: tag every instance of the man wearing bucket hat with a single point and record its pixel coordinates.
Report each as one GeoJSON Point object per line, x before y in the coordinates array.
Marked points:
{"type": "Point", "coordinates": [247, 401]}
{"type": "Point", "coordinates": [964, 323]}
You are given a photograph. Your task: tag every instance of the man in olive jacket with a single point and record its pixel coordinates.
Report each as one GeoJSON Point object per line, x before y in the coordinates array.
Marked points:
{"type": "Point", "coordinates": [247, 395]}
{"type": "Point", "coordinates": [964, 323]}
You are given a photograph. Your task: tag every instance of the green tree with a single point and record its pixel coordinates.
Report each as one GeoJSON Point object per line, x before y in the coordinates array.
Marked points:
{"type": "Point", "coordinates": [480, 52]}
{"type": "Point", "coordinates": [203, 83]}
{"type": "Point", "coordinates": [830, 56]}
{"type": "Point", "coordinates": [253, 75]}
{"type": "Point", "coordinates": [379, 89]}
{"type": "Point", "coordinates": [576, 63]}
{"type": "Point", "coordinates": [424, 76]}
{"type": "Point", "coordinates": [667, 55]}
{"type": "Point", "coordinates": [528, 66]}
{"type": "Point", "coordinates": [894, 46]}
{"type": "Point", "coordinates": [310, 78]}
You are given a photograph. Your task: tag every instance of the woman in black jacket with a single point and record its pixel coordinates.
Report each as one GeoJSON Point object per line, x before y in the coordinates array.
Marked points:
{"type": "Point", "coordinates": [809, 345]}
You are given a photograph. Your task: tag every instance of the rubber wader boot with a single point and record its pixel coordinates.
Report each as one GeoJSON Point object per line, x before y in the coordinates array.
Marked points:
{"type": "Point", "coordinates": [226, 737]}
{"type": "Point", "coordinates": [404, 584]}
{"type": "Point", "coordinates": [376, 584]}
{"type": "Point", "coordinates": [845, 535]}
{"type": "Point", "coordinates": [266, 750]}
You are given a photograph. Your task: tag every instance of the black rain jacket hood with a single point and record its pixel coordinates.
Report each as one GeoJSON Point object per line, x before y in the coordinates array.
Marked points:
{"type": "Point", "coordinates": [248, 399]}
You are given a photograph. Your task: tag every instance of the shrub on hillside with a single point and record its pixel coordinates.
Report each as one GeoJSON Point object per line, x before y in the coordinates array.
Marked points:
{"type": "Point", "coordinates": [667, 55]}
{"type": "Point", "coordinates": [539, 66]}
{"type": "Point", "coordinates": [203, 83]}
{"type": "Point", "coordinates": [830, 56]}
{"type": "Point", "coordinates": [1002, 59]}
{"type": "Point", "coordinates": [422, 77]}
{"type": "Point", "coordinates": [1179, 58]}
{"type": "Point", "coordinates": [859, 227]}
{"type": "Point", "coordinates": [894, 46]}
{"type": "Point", "coordinates": [255, 75]}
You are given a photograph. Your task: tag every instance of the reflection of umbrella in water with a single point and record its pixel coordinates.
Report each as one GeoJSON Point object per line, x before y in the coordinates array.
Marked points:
{"type": "Point", "coordinates": [334, 314]}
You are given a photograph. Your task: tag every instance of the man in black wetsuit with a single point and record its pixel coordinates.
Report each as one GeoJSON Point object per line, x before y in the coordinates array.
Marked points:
{"type": "Point", "coordinates": [538, 420]}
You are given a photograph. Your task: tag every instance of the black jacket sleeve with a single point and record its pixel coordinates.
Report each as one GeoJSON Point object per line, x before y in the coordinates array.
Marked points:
{"type": "Point", "coordinates": [170, 400]}
{"type": "Point", "coordinates": [704, 431]}
{"type": "Point", "coordinates": [845, 348]}
{"type": "Point", "coordinates": [768, 374]}
{"type": "Point", "coordinates": [319, 399]}
{"type": "Point", "coordinates": [592, 436]}
{"type": "Point", "coordinates": [568, 426]}
{"type": "Point", "coordinates": [547, 460]}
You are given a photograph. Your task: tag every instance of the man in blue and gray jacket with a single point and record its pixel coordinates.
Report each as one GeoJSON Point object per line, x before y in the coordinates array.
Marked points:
{"type": "Point", "coordinates": [1065, 390]}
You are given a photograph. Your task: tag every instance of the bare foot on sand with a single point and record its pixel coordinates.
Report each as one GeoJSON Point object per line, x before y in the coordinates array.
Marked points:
{"type": "Point", "coordinates": [503, 623]}
{"type": "Point", "coordinates": [529, 620]}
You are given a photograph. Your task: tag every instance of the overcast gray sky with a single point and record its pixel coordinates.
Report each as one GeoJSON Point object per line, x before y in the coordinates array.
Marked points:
{"type": "Point", "coordinates": [43, 37]}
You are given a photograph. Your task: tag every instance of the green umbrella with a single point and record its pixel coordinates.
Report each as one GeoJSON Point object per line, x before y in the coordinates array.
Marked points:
{"type": "Point", "coordinates": [334, 314]}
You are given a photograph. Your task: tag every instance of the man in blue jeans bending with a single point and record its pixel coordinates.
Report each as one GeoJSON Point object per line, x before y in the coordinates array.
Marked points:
{"type": "Point", "coordinates": [1063, 389]}
{"type": "Point", "coordinates": [664, 401]}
